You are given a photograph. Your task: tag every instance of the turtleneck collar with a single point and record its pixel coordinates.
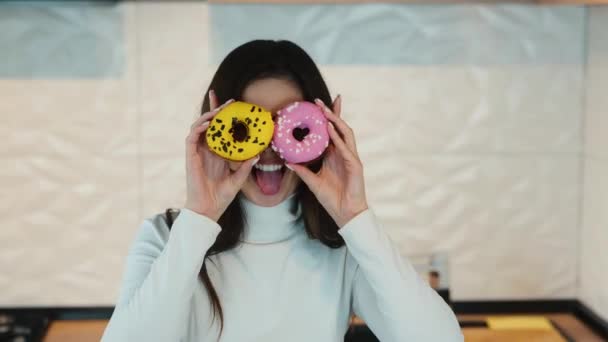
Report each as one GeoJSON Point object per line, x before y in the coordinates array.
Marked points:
{"type": "Point", "coordinates": [269, 224]}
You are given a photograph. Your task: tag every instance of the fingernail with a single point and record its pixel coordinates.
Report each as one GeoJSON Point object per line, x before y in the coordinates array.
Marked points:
{"type": "Point", "coordinates": [331, 125]}
{"type": "Point", "coordinates": [257, 159]}
{"type": "Point", "coordinates": [210, 93]}
{"type": "Point", "coordinates": [339, 96]}
{"type": "Point", "coordinates": [289, 167]}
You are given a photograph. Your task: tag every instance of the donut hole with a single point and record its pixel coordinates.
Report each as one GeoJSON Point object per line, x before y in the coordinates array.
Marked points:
{"type": "Point", "coordinates": [299, 133]}
{"type": "Point", "coordinates": [239, 131]}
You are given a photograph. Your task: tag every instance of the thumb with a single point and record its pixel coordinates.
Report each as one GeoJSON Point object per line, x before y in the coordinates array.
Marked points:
{"type": "Point", "coordinates": [307, 176]}
{"type": "Point", "coordinates": [239, 177]}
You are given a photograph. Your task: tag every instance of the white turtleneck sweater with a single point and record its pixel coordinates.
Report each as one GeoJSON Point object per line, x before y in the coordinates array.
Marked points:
{"type": "Point", "coordinates": [277, 285]}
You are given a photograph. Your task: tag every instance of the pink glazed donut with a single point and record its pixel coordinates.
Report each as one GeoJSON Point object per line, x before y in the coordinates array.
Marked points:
{"type": "Point", "coordinates": [300, 133]}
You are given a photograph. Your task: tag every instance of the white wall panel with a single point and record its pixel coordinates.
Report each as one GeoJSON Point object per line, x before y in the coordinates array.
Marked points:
{"type": "Point", "coordinates": [66, 228]}
{"type": "Point", "coordinates": [594, 230]}
{"type": "Point", "coordinates": [594, 258]}
{"type": "Point", "coordinates": [502, 220]}
{"type": "Point", "coordinates": [164, 183]}
{"type": "Point", "coordinates": [69, 119]}
{"type": "Point", "coordinates": [175, 72]}
{"type": "Point", "coordinates": [464, 109]}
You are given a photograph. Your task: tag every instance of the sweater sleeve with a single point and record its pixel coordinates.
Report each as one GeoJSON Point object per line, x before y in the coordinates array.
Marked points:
{"type": "Point", "coordinates": [388, 293]}
{"type": "Point", "coordinates": [160, 277]}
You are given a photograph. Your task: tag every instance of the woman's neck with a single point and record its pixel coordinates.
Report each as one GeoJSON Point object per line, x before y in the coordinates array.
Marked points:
{"type": "Point", "coordinates": [269, 224]}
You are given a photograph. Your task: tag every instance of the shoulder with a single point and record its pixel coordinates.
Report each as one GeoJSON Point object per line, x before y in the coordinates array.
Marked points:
{"type": "Point", "coordinates": [155, 229]}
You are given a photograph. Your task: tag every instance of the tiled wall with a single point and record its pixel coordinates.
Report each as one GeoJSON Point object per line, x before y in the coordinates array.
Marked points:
{"type": "Point", "coordinates": [594, 230]}
{"type": "Point", "coordinates": [480, 109]}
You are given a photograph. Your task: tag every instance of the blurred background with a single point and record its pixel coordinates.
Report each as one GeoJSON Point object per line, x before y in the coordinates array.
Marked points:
{"type": "Point", "coordinates": [482, 128]}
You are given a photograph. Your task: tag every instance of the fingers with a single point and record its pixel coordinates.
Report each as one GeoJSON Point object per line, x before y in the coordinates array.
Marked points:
{"type": "Point", "coordinates": [239, 177]}
{"type": "Point", "coordinates": [337, 105]}
{"type": "Point", "coordinates": [199, 126]}
{"type": "Point", "coordinates": [346, 153]}
{"type": "Point", "coordinates": [192, 140]}
{"type": "Point", "coordinates": [310, 178]}
{"type": "Point", "coordinates": [209, 115]}
{"type": "Point", "coordinates": [201, 119]}
{"type": "Point", "coordinates": [212, 100]}
{"type": "Point", "coordinates": [347, 132]}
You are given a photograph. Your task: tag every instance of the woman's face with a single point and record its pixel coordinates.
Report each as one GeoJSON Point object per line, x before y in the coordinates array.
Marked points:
{"type": "Point", "coordinates": [269, 188]}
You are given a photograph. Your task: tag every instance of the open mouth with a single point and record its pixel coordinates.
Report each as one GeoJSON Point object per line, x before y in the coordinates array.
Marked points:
{"type": "Point", "coordinates": [268, 177]}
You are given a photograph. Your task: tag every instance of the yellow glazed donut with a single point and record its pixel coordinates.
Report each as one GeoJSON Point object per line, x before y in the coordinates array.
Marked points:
{"type": "Point", "coordinates": [240, 131]}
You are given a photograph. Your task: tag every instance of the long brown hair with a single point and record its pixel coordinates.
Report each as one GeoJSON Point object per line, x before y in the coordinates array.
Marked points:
{"type": "Point", "coordinates": [251, 61]}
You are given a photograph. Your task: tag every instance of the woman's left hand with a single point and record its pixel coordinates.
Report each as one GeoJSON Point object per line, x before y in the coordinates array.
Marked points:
{"type": "Point", "coordinates": [339, 184]}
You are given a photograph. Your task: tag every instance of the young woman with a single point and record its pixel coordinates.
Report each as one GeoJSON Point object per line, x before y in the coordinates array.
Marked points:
{"type": "Point", "coordinates": [284, 255]}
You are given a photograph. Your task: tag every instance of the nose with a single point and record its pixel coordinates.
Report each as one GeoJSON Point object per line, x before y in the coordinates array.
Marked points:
{"type": "Point", "coordinates": [270, 156]}
{"type": "Point", "coordinates": [268, 151]}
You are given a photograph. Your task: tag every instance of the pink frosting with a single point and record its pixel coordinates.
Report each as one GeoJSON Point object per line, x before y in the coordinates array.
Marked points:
{"type": "Point", "coordinates": [300, 116]}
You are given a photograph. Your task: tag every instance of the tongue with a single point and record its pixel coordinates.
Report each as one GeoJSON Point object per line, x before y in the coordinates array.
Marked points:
{"type": "Point", "coordinates": [269, 181]}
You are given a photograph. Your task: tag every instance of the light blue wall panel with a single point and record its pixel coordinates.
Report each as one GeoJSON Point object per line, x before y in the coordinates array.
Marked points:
{"type": "Point", "coordinates": [61, 39]}
{"type": "Point", "coordinates": [408, 34]}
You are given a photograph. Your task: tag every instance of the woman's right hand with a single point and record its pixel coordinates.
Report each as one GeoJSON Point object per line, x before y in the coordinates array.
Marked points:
{"type": "Point", "coordinates": [211, 185]}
